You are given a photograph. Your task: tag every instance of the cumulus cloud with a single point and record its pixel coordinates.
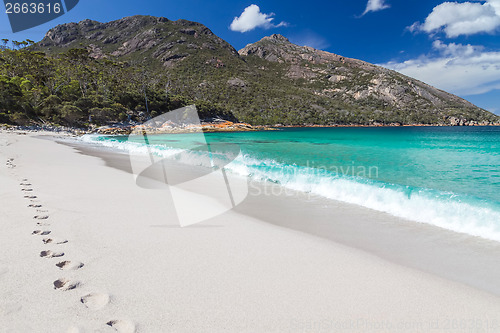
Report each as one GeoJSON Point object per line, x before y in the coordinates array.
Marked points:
{"type": "Point", "coordinates": [374, 6]}
{"type": "Point", "coordinates": [464, 18]}
{"type": "Point", "coordinates": [456, 68]}
{"type": "Point", "coordinates": [252, 18]}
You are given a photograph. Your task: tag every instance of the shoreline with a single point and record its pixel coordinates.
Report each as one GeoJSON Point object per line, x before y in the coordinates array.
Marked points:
{"type": "Point", "coordinates": [455, 256]}
{"type": "Point", "coordinates": [110, 130]}
{"type": "Point", "coordinates": [233, 272]}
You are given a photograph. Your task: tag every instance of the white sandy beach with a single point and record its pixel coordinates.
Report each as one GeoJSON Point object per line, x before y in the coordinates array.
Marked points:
{"type": "Point", "coordinates": [130, 269]}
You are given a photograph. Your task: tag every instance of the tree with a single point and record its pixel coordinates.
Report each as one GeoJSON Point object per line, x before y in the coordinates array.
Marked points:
{"type": "Point", "coordinates": [72, 115]}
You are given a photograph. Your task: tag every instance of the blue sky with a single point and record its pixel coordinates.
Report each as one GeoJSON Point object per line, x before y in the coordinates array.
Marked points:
{"type": "Point", "coordinates": [453, 46]}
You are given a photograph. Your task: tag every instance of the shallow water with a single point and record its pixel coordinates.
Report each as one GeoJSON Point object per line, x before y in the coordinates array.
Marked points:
{"type": "Point", "coordinates": [444, 176]}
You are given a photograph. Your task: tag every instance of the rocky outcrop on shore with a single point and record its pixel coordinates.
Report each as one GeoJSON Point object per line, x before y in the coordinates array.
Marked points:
{"type": "Point", "coordinates": [171, 128]}
{"type": "Point", "coordinates": [45, 128]}
{"type": "Point", "coordinates": [218, 126]}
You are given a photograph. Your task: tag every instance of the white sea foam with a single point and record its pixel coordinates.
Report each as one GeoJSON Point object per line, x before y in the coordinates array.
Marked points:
{"type": "Point", "coordinates": [447, 210]}
{"type": "Point", "coordinates": [129, 147]}
{"type": "Point", "coordinates": [460, 213]}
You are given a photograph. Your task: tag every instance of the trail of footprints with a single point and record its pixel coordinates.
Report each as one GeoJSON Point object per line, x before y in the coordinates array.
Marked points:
{"type": "Point", "coordinates": [93, 301]}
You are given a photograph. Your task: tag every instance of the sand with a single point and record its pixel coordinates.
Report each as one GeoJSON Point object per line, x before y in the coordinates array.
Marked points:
{"type": "Point", "coordinates": [97, 253]}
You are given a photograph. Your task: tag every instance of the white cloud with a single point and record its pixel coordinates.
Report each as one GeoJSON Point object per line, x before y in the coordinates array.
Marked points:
{"type": "Point", "coordinates": [464, 18]}
{"type": "Point", "coordinates": [252, 18]}
{"type": "Point", "coordinates": [456, 68]}
{"type": "Point", "coordinates": [374, 6]}
{"type": "Point", "coordinates": [456, 50]}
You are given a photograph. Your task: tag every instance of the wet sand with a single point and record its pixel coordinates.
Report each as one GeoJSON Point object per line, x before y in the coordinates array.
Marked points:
{"type": "Point", "coordinates": [451, 255]}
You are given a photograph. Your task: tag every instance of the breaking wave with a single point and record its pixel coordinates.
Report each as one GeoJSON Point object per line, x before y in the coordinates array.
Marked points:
{"type": "Point", "coordinates": [457, 212]}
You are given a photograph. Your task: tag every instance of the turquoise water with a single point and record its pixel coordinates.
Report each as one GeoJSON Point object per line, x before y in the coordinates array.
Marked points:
{"type": "Point", "coordinates": [445, 176]}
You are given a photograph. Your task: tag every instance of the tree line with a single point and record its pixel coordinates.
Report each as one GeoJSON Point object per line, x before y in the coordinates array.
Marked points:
{"type": "Point", "coordinates": [74, 89]}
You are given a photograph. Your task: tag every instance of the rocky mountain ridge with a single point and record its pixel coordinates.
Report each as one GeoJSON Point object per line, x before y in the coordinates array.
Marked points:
{"type": "Point", "coordinates": [158, 37]}
{"type": "Point", "coordinates": [306, 62]}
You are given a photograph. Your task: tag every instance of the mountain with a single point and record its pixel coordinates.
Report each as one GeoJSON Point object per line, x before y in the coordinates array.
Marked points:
{"type": "Point", "coordinates": [354, 81]}
{"type": "Point", "coordinates": [268, 82]}
{"type": "Point", "coordinates": [146, 39]}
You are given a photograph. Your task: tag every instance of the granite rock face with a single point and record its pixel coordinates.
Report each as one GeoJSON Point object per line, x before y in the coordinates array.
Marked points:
{"type": "Point", "coordinates": [135, 36]}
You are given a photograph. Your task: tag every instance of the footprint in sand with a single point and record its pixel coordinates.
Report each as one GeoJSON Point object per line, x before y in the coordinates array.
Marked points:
{"type": "Point", "coordinates": [69, 265]}
{"type": "Point", "coordinates": [51, 241]}
{"type": "Point", "coordinates": [41, 233]}
{"type": "Point", "coordinates": [10, 163]}
{"type": "Point", "coordinates": [27, 189]}
{"type": "Point", "coordinates": [25, 184]}
{"type": "Point", "coordinates": [34, 206]}
{"type": "Point", "coordinates": [41, 217]}
{"type": "Point", "coordinates": [50, 254]}
{"type": "Point", "coordinates": [95, 301]}
{"type": "Point", "coordinates": [43, 224]}
{"type": "Point", "coordinates": [30, 196]}
{"type": "Point", "coordinates": [65, 284]}
{"type": "Point", "coordinates": [122, 326]}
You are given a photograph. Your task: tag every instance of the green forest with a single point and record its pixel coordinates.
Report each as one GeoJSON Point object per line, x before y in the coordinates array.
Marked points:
{"type": "Point", "coordinates": [73, 89]}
